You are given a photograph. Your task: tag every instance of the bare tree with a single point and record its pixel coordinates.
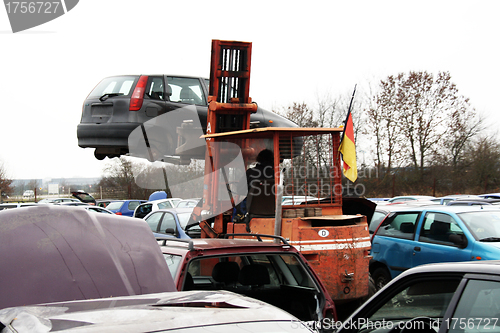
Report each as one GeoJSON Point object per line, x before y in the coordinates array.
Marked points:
{"type": "Point", "coordinates": [383, 124]}
{"type": "Point", "coordinates": [299, 113]}
{"type": "Point", "coordinates": [119, 175]}
{"type": "Point", "coordinates": [483, 160]}
{"type": "Point", "coordinates": [414, 113]}
{"type": "Point", "coordinates": [5, 182]}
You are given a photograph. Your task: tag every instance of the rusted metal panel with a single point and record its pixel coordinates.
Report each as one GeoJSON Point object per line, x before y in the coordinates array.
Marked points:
{"type": "Point", "coordinates": [339, 255]}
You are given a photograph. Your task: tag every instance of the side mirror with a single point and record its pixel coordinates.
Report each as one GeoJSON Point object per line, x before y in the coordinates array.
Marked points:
{"type": "Point", "coordinates": [170, 231]}
{"type": "Point", "coordinates": [459, 240]}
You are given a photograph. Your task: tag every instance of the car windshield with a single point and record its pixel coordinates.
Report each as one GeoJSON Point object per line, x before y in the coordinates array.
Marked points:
{"type": "Point", "coordinates": [186, 204]}
{"type": "Point", "coordinates": [424, 298]}
{"type": "Point", "coordinates": [484, 225]}
{"type": "Point", "coordinates": [114, 205]}
{"type": "Point", "coordinates": [165, 204]}
{"type": "Point", "coordinates": [173, 262]}
{"type": "Point", "coordinates": [183, 219]}
{"type": "Point", "coordinates": [118, 85]}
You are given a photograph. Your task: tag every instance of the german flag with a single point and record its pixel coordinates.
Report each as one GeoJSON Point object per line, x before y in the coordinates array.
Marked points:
{"type": "Point", "coordinates": [348, 150]}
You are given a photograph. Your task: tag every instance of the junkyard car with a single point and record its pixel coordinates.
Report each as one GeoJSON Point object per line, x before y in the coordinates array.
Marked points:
{"type": "Point", "coordinates": [194, 311]}
{"type": "Point", "coordinates": [420, 235]}
{"type": "Point", "coordinates": [52, 253]}
{"type": "Point", "coordinates": [120, 104]}
{"type": "Point", "coordinates": [447, 297]}
{"type": "Point", "coordinates": [275, 273]}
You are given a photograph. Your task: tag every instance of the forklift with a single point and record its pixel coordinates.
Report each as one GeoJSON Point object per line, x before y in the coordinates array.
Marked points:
{"type": "Point", "coordinates": [304, 173]}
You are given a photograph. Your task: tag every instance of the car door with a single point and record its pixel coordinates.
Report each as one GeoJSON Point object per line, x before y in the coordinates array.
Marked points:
{"type": "Point", "coordinates": [394, 241]}
{"type": "Point", "coordinates": [168, 224]}
{"type": "Point", "coordinates": [142, 210]}
{"type": "Point", "coordinates": [184, 91]}
{"type": "Point", "coordinates": [154, 221]}
{"type": "Point", "coordinates": [434, 244]}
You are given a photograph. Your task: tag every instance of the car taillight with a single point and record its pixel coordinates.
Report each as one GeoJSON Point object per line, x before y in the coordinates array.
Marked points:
{"type": "Point", "coordinates": [118, 213]}
{"type": "Point", "coordinates": [138, 94]}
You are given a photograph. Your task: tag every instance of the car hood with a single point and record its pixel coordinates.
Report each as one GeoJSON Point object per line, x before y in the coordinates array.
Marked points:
{"type": "Point", "coordinates": [143, 313]}
{"type": "Point", "coordinates": [55, 253]}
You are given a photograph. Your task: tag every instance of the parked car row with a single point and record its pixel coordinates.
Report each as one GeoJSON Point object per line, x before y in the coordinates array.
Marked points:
{"type": "Point", "coordinates": [87, 280]}
{"type": "Point", "coordinates": [455, 199]}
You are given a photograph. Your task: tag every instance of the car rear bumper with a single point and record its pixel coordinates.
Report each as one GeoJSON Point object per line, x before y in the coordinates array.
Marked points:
{"type": "Point", "coordinates": [114, 135]}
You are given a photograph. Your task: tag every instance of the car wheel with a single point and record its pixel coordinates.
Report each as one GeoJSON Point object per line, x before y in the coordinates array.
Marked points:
{"type": "Point", "coordinates": [381, 277]}
{"type": "Point", "coordinates": [99, 156]}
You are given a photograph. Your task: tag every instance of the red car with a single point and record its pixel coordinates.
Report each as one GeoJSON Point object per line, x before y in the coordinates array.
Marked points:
{"type": "Point", "coordinates": [273, 272]}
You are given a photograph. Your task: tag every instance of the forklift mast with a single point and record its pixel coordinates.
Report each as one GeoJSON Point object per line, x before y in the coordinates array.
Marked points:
{"type": "Point", "coordinates": [229, 110]}
{"type": "Point", "coordinates": [229, 102]}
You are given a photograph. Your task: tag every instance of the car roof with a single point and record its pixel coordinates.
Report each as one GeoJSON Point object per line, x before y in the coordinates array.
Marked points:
{"type": "Point", "coordinates": [160, 200]}
{"type": "Point", "coordinates": [469, 267]}
{"type": "Point", "coordinates": [442, 208]}
{"type": "Point", "coordinates": [405, 205]}
{"type": "Point", "coordinates": [458, 196]}
{"type": "Point", "coordinates": [222, 244]}
{"type": "Point", "coordinates": [413, 196]}
{"type": "Point", "coordinates": [175, 210]}
{"type": "Point", "coordinates": [146, 313]}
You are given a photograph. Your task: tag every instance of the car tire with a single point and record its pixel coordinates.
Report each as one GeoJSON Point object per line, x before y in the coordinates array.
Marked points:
{"type": "Point", "coordinates": [99, 156]}
{"type": "Point", "coordinates": [372, 287]}
{"type": "Point", "coordinates": [381, 277]}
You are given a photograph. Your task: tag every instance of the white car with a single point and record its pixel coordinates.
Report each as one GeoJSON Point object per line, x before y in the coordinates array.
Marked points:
{"type": "Point", "coordinates": [28, 194]}
{"type": "Point", "coordinates": [144, 209]}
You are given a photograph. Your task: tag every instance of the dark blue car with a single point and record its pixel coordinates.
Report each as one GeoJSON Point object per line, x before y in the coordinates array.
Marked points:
{"type": "Point", "coordinates": [410, 237]}
{"type": "Point", "coordinates": [124, 207]}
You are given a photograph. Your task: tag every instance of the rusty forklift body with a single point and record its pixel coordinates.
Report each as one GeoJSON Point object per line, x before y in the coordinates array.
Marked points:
{"type": "Point", "coordinates": [306, 166]}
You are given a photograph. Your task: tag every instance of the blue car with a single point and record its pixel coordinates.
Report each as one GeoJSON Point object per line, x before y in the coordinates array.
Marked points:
{"type": "Point", "coordinates": [124, 207]}
{"type": "Point", "coordinates": [413, 236]}
{"type": "Point", "coordinates": [169, 222]}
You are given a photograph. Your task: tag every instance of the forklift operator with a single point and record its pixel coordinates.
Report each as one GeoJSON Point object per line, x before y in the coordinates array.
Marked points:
{"type": "Point", "coordinates": [264, 169]}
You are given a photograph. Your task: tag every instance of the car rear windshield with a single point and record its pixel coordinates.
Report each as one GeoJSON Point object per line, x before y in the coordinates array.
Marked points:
{"type": "Point", "coordinates": [120, 85]}
{"type": "Point", "coordinates": [115, 205]}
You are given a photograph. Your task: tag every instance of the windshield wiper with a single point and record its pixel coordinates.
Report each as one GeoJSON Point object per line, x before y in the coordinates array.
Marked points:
{"type": "Point", "coordinates": [490, 239]}
{"type": "Point", "coordinates": [106, 96]}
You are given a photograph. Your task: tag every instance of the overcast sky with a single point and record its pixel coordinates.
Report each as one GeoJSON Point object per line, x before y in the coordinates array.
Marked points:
{"type": "Point", "coordinates": [301, 50]}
